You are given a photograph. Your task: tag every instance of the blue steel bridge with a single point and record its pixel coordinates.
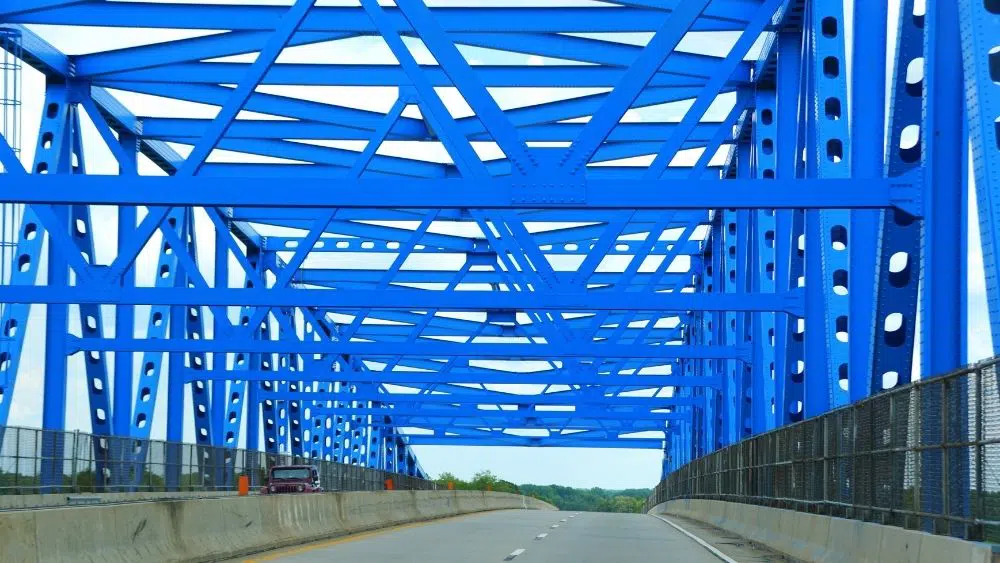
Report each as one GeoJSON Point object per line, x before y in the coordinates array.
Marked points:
{"type": "Point", "coordinates": [341, 230]}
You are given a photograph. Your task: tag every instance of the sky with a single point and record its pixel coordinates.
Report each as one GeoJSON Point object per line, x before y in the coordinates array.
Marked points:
{"type": "Point", "coordinates": [609, 468]}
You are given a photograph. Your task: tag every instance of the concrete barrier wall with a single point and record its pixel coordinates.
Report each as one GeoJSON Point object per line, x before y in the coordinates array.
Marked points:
{"type": "Point", "coordinates": [14, 502]}
{"type": "Point", "coordinates": [825, 539]}
{"type": "Point", "coordinates": [196, 530]}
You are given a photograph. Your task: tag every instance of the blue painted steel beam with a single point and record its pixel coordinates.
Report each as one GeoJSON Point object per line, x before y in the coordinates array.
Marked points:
{"type": "Point", "coordinates": [789, 345]}
{"type": "Point", "coordinates": [980, 25]}
{"type": "Point", "coordinates": [538, 442]}
{"type": "Point", "coordinates": [899, 266]}
{"type": "Point", "coordinates": [550, 418]}
{"type": "Point", "coordinates": [182, 129]}
{"type": "Point", "coordinates": [789, 302]}
{"type": "Point", "coordinates": [57, 140]}
{"type": "Point", "coordinates": [495, 398]}
{"type": "Point", "coordinates": [429, 349]}
{"type": "Point", "coordinates": [721, 15]}
{"type": "Point", "coordinates": [458, 376]}
{"type": "Point", "coordinates": [338, 277]}
{"type": "Point", "coordinates": [942, 162]}
{"type": "Point", "coordinates": [868, 114]}
{"type": "Point", "coordinates": [842, 193]}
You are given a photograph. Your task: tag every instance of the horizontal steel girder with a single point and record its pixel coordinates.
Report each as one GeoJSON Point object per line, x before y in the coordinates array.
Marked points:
{"type": "Point", "coordinates": [554, 191]}
{"type": "Point", "coordinates": [473, 412]}
{"type": "Point", "coordinates": [342, 244]}
{"type": "Point", "coordinates": [537, 442]}
{"type": "Point", "coordinates": [560, 377]}
{"type": "Point", "coordinates": [427, 349]}
{"type": "Point", "coordinates": [721, 15]}
{"type": "Point", "coordinates": [790, 302]}
{"type": "Point", "coordinates": [578, 76]}
{"type": "Point", "coordinates": [532, 424]}
{"type": "Point", "coordinates": [566, 398]}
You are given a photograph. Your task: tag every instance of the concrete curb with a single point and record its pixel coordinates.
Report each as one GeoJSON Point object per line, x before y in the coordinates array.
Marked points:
{"type": "Point", "coordinates": [222, 528]}
{"type": "Point", "coordinates": [825, 539]}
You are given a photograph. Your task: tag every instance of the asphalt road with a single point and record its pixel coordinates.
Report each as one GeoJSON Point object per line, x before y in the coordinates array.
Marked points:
{"type": "Point", "coordinates": [512, 535]}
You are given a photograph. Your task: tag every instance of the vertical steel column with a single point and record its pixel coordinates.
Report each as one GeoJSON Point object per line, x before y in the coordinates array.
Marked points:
{"type": "Point", "coordinates": [980, 26]}
{"type": "Point", "coordinates": [90, 317]}
{"type": "Point", "coordinates": [899, 250]}
{"type": "Point", "coordinates": [238, 394]}
{"type": "Point", "coordinates": [788, 230]}
{"type": "Point", "coordinates": [727, 433]}
{"type": "Point", "coordinates": [827, 232]}
{"type": "Point", "coordinates": [289, 366]}
{"type": "Point", "coordinates": [201, 400]}
{"type": "Point", "coordinates": [745, 370]}
{"type": "Point", "coordinates": [730, 333]}
{"type": "Point", "coordinates": [220, 359]}
{"type": "Point", "coordinates": [943, 475]}
{"type": "Point", "coordinates": [54, 156]}
{"type": "Point", "coordinates": [980, 23]}
{"type": "Point", "coordinates": [816, 380]}
{"type": "Point", "coordinates": [151, 365]}
{"type": "Point", "coordinates": [867, 149]}
{"type": "Point", "coordinates": [124, 328]}
{"type": "Point", "coordinates": [222, 459]}
{"type": "Point", "coordinates": [765, 380]}
{"type": "Point", "coordinates": [945, 204]}
{"type": "Point", "coordinates": [703, 333]}
{"type": "Point", "coordinates": [175, 377]}
{"type": "Point", "coordinates": [255, 415]}
{"type": "Point", "coordinates": [940, 345]}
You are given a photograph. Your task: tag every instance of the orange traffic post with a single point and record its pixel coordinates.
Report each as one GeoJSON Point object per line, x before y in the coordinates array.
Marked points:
{"type": "Point", "coordinates": [389, 485]}
{"type": "Point", "coordinates": [244, 485]}
{"type": "Point", "coordinates": [451, 485]}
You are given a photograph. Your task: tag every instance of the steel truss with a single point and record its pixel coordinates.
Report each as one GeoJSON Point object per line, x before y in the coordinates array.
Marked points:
{"type": "Point", "coordinates": [552, 234]}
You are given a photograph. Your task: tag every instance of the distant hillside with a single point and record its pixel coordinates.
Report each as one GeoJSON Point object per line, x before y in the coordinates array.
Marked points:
{"type": "Point", "coordinates": [591, 500]}
{"type": "Point", "coordinates": [565, 498]}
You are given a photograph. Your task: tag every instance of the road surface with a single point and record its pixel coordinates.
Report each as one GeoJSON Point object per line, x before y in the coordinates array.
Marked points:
{"type": "Point", "coordinates": [520, 536]}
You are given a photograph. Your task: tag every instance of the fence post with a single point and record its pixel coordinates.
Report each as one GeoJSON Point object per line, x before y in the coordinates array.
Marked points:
{"type": "Point", "coordinates": [980, 510]}
{"type": "Point", "coordinates": [73, 465]}
{"type": "Point", "coordinates": [17, 457]}
{"type": "Point", "coordinates": [945, 501]}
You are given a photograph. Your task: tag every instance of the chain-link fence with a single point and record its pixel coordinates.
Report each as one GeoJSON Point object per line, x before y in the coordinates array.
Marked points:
{"type": "Point", "coordinates": [36, 461]}
{"type": "Point", "coordinates": [925, 456]}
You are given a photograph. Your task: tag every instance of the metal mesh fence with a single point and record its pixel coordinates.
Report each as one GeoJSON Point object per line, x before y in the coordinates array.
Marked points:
{"type": "Point", "coordinates": [36, 461]}
{"type": "Point", "coordinates": [924, 456]}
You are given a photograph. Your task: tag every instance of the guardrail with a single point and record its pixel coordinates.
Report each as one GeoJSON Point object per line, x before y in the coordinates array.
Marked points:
{"type": "Point", "coordinates": [924, 456]}
{"type": "Point", "coordinates": [34, 461]}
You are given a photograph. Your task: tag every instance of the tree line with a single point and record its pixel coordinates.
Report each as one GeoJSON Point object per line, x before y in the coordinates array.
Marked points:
{"type": "Point", "coordinates": [565, 498]}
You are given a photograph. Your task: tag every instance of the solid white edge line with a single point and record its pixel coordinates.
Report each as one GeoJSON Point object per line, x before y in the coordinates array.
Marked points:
{"type": "Point", "coordinates": [700, 541]}
{"type": "Point", "coordinates": [541, 536]}
{"type": "Point", "coordinates": [514, 554]}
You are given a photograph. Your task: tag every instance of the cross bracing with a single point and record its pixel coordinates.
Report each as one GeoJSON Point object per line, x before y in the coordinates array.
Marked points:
{"type": "Point", "coordinates": [340, 229]}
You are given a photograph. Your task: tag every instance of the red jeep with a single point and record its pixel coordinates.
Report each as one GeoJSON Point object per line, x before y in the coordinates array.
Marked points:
{"type": "Point", "coordinates": [292, 479]}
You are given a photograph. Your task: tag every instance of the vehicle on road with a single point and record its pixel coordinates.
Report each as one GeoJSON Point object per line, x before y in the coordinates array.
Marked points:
{"type": "Point", "coordinates": [284, 479]}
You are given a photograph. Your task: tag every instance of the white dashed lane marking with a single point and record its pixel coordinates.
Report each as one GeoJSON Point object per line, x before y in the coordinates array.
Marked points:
{"type": "Point", "coordinates": [514, 554]}
{"type": "Point", "coordinates": [554, 526]}
{"type": "Point", "coordinates": [541, 536]}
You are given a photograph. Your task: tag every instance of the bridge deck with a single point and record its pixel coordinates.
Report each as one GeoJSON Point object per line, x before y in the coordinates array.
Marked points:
{"type": "Point", "coordinates": [495, 536]}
